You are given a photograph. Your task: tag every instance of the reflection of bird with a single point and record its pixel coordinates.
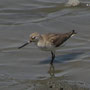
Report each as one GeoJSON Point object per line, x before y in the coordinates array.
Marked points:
{"type": "Point", "coordinates": [50, 41]}
{"type": "Point", "coordinates": [51, 71]}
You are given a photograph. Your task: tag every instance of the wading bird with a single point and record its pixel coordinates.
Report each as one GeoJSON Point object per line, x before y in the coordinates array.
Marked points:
{"type": "Point", "coordinates": [49, 42]}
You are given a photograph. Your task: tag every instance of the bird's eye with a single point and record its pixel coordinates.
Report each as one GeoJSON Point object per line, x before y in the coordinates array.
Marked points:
{"type": "Point", "coordinates": [33, 37]}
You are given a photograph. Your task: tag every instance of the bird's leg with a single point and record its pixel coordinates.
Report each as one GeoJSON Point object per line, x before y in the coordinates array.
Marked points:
{"type": "Point", "coordinates": [53, 57]}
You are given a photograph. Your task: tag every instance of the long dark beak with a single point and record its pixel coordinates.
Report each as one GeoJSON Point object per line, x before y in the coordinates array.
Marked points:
{"type": "Point", "coordinates": [24, 45]}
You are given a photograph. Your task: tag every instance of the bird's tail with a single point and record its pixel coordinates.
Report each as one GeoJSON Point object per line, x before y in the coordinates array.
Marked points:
{"type": "Point", "coordinates": [73, 33]}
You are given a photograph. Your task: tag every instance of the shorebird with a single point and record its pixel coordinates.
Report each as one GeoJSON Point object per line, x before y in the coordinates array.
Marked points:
{"type": "Point", "coordinates": [49, 42]}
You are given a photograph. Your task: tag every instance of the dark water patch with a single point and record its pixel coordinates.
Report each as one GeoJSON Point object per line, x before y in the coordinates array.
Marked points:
{"type": "Point", "coordinates": [63, 58]}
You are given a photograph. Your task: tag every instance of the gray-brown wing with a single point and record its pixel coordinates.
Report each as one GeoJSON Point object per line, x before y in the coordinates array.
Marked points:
{"type": "Point", "coordinates": [57, 39]}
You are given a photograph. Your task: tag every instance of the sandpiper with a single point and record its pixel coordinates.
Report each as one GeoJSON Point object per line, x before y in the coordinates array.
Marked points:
{"type": "Point", "coordinates": [49, 41]}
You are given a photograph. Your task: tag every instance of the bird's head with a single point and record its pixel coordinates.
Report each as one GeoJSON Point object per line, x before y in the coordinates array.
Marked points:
{"type": "Point", "coordinates": [34, 37]}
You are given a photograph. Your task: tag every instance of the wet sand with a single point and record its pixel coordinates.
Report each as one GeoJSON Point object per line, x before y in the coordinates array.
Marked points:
{"type": "Point", "coordinates": [29, 68]}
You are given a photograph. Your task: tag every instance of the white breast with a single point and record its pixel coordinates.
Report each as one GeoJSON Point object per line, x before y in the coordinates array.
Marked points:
{"type": "Point", "coordinates": [45, 46]}
{"type": "Point", "coordinates": [41, 44]}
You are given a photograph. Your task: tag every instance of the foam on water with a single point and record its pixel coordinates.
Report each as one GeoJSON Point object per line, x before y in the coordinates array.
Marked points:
{"type": "Point", "coordinates": [73, 3]}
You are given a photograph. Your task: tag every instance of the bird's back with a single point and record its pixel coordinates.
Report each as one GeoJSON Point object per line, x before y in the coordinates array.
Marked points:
{"type": "Point", "coordinates": [56, 39]}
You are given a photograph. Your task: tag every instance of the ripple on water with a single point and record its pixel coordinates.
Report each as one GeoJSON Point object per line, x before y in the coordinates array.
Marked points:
{"type": "Point", "coordinates": [28, 68]}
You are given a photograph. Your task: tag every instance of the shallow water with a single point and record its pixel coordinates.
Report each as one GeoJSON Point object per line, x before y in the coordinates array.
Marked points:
{"type": "Point", "coordinates": [28, 68]}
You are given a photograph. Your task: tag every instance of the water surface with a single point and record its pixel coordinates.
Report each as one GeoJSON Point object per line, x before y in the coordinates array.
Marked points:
{"type": "Point", "coordinates": [28, 68]}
